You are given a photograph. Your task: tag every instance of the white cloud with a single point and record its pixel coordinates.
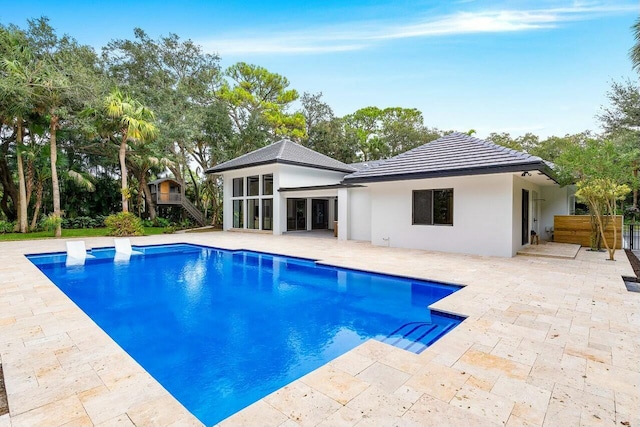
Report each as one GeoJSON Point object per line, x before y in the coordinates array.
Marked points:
{"type": "Point", "coordinates": [361, 35]}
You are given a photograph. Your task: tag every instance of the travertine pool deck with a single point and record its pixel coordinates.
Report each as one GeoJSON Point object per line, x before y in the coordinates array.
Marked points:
{"type": "Point", "coordinates": [547, 342]}
{"type": "Point", "coordinates": [551, 250]}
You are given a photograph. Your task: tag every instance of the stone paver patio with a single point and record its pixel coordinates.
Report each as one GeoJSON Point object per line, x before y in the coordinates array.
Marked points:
{"type": "Point", "coordinates": [547, 342]}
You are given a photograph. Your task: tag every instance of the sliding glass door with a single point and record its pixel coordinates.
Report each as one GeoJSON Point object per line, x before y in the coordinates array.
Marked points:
{"type": "Point", "coordinates": [320, 214]}
{"type": "Point", "coordinates": [296, 214]}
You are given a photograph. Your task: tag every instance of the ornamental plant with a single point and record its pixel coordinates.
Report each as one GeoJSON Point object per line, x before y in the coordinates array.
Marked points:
{"type": "Point", "coordinates": [602, 195]}
{"type": "Point", "coordinates": [124, 224]}
{"type": "Point", "coordinates": [52, 222]}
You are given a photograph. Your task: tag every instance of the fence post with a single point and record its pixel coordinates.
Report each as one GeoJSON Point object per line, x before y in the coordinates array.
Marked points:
{"type": "Point", "coordinates": [631, 236]}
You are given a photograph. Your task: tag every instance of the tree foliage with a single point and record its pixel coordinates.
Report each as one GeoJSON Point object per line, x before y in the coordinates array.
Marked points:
{"type": "Point", "coordinates": [635, 50]}
{"type": "Point", "coordinates": [258, 97]}
{"type": "Point", "coordinates": [383, 133]}
{"type": "Point", "coordinates": [65, 128]}
{"type": "Point", "coordinates": [602, 196]}
{"type": "Point", "coordinates": [133, 123]}
{"type": "Point", "coordinates": [621, 122]}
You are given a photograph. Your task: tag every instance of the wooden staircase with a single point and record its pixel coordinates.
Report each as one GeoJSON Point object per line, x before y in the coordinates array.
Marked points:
{"type": "Point", "coordinates": [168, 191]}
{"type": "Point", "coordinates": [193, 211]}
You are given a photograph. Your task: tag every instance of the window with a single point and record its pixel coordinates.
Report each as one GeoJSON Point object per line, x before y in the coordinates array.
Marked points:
{"type": "Point", "coordinates": [267, 214]}
{"type": "Point", "coordinates": [253, 214]}
{"type": "Point", "coordinates": [253, 185]}
{"type": "Point", "coordinates": [238, 187]}
{"type": "Point", "coordinates": [251, 209]}
{"type": "Point", "coordinates": [238, 214]}
{"type": "Point", "coordinates": [267, 185]}
{"type": "Point", "coordinates": [433, 207]}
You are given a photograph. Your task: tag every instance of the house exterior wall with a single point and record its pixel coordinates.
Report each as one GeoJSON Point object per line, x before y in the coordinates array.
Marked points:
{"type": "Point", "coordinates": [556, 202]}
{"type": "Point", "coordinates": [359, 214]}
{"type": "Point", "coordinates": [487, 209]}
{"type": "Point", "coordinates": [482, 215]}
{"type": "Point", "coordinates": [227, 186]}
{"type": "Point", "coordinates": [552, 200]}
{"type": "Point", "coordinates": [283, 176]}
{"type": "Point", "coordinates": [520, 184]}
{"type": "Point", "coordinates": [300, 176]}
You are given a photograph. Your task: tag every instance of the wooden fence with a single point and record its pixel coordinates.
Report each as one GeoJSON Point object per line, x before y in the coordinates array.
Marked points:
{"type": "Point", "coordinates": [577, 229]}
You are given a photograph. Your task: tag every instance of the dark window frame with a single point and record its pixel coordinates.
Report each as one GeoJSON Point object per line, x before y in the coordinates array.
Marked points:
{"type": "Point", "coordinates": [253, 180]}
{"type": "Point", "coordinates": [240, 187]}
{"type": "Point", "coordinates": [267, 214]}
{"type": "Point", "coordinates": [264, 184]}
{"type": "Point", "coordinates": [253, 214]}
{"type": "Point", "coordinates": [238, 214]}
{"type": "Point", "coordinates": [429, 202]}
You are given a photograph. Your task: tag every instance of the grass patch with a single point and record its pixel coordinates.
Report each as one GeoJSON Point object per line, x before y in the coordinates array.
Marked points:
{"type": "Point", "coordinates": [66, 233]}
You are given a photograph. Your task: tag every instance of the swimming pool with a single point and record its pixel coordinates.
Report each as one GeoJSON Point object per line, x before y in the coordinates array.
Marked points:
{"type": "Point", "coordinates": [221, 329]}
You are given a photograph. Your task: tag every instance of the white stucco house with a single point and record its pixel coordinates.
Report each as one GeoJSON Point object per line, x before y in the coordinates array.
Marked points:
{"type": "Point", "coordinates": [456, 194]}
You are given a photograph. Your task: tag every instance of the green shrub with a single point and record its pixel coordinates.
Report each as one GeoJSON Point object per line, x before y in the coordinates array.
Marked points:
{"type": "Point", "coordinates": [124, 224]}
{"type": "Point", "coordinates": [6, 226]}
{"type": "Point", "coordinates": [161, 222]}
{"type": "Point", "coordinates": [186, 223]}
{"type": "Point", "coordinates": [157, 222]}
{"type": "Point", "coordinates": [169, 230]}
{"type": "Point", "coordinates": [83, 222]}
{"type": "Point", "coordinates": [51, 222]}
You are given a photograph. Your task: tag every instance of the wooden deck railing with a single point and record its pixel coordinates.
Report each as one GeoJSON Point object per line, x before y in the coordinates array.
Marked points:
{"type": "Point", "coordinates": [173, 198]}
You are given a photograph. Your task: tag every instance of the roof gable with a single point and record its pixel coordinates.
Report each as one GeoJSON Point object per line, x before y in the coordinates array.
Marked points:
{"type": "Point", "coordinates": [283, 151]}
{"type": "Point", "coordinates": [452, 155]}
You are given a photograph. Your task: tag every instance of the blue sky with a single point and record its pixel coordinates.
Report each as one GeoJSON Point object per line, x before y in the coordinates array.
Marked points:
{"type": "Point", "coordinates": [541, 66]}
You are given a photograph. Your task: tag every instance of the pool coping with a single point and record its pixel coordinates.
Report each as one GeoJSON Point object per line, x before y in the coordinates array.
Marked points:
{"type": "Point", "coordinates": [45, 340]}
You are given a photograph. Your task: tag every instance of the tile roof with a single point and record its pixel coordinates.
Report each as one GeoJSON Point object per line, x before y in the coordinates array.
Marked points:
{"type": "Point", "coordinates": [452, 155]}
{"type": "Point", "coordinates": [283, 151]}
{"type": "Point", "coordinates": [364, 165]}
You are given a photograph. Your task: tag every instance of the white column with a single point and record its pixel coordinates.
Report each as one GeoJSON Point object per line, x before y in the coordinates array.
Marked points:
{"type": "Point", "coordinates": [279, 207]}
{"type": "Point", "coordinates": [227, 203]}
{"type": "Point", "coordinates": [330, 213]}
{"type": "Point", "coordinates": [309, 214]}
{"type": "Point", "coordinates": [343, 214]}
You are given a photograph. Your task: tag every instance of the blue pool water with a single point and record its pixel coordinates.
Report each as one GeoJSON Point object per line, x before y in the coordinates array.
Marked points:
{"type": "Point", "coordinates": [221, 329]}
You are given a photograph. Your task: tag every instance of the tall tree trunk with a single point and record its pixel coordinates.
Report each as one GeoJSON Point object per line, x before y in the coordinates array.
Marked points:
{"type": "Point", "coordinates": [22, 198]}
{"type": "Point", "coordinates": [196, 190]}
{"type": "Point", "coordinates": [36, 208]}
{"type": "Point", "coordinates": [176, 173]}
{"type": "Point", "coordinates": [151, 206]}
{"type": "Point", "coordinates": [123, 171]}
{"type": "Point", "coordinates": [9, 189]}
{"type": "Point", "coordinates": [54, 172]}
{"type": "Point", "coordinates": [29, 178]}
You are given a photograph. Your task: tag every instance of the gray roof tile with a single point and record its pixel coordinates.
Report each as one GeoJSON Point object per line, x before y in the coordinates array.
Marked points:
{"type": "Point", "coordinates": [452, 155]}
{"type": "Point", "coordinates": [283, 151]}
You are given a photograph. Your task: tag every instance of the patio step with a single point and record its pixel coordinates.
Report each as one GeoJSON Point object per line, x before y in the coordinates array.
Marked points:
{"type": "Point", "coordinates": [417, 336]}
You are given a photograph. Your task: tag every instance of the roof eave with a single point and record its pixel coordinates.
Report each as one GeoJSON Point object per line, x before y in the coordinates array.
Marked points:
{"type": "Point", "coordinates": [215, 170]}
{"type": "Point", "coordinates": [320, 187]}
{"type": "Point", "coordinates": [538, 165]}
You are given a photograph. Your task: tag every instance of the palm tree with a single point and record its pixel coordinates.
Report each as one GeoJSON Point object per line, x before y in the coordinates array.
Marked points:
{"type": "Point", "coordinates": [63, 86]}
{"type": "Point", "coordinates": [18, 71]}
{"type": "Point", "coordinates": [635, 50]}
{"type": "Point", "coordinates": [135, 123]}
{"type": "Point", "coordinates": [142, 165]}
